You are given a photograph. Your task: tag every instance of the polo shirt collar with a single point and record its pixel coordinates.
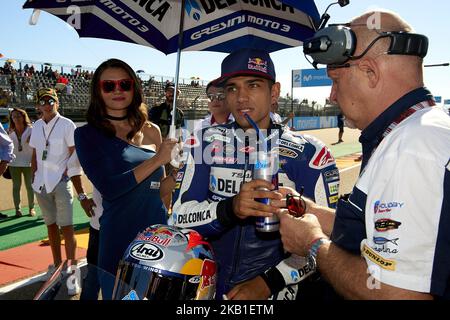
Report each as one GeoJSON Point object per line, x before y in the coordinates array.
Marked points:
{"type": "Point", "coordinates": [372, 135]}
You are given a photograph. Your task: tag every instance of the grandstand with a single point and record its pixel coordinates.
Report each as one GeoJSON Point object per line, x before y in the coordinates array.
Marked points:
{"type": "Point", "coordinates": [192, 101]}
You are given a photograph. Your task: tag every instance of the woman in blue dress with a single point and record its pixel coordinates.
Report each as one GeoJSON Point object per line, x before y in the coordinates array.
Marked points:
{"type": "Point", "coordinates": [123, 155]}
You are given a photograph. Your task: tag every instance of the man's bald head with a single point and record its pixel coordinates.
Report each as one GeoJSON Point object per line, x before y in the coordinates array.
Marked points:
{"type": "Point", "coordinates": [369, 25]}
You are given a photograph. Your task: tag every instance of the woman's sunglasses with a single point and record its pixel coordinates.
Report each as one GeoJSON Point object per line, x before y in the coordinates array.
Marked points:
{"type": "Point", "coordinates": [111, 85]}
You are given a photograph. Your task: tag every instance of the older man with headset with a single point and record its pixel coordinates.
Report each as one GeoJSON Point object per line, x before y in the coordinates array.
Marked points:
{"type": "Point", "coordinates": [391, 234]}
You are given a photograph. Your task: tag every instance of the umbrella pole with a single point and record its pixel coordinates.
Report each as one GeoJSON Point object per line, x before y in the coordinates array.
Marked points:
{"type": "Point", "coordinates": [176, 162]}
{"type": "Point", "coordinates": [172, 130]}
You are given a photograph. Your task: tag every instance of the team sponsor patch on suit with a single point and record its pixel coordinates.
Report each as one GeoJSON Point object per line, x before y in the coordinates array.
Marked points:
{"type": "Point", "coordinates": [331, 175]}
{"type": "Point", "coordinates": [333, 199]}
{"type": "Point", "coordinates": [191, 142]}
{"type": "Point", "coordinates": [285, 152]}
{"type": "Point", "coordinates": [291, 145]}
{"type": "Point", "coordinates": [333, 187]}
{"type": "Point", "coordinates": [155, 185]}
{"type": "Point", "coordinates": [373, 256]}
{"type": "Point", "coordinates": [322, 159]}
{"type": "Point", "coordinates": [217, 137]}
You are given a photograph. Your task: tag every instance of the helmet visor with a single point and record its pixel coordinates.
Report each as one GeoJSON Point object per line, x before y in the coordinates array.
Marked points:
{"type": "Point", "coordinates": [138, 282]}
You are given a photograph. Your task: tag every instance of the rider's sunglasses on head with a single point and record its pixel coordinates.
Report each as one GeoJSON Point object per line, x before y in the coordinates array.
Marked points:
{"type": "Point", "coordinates": [111, 85]}
{"type": "Point", "coordinates": [215, 96]}
{"type": "Point", "coordinates": [50, 102]}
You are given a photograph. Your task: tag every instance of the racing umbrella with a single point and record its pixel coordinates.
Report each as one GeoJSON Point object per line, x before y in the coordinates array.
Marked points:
{"type": "Point", "coordinates": [208, 25]}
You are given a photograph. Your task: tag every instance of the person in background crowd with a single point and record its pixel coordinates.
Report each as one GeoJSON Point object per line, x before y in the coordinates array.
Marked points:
{"type": "Point", "coordinates": [123, 155]}
{"type": "Point", "coordinates": [162, 114]}
{"type": "Point", "coordinates": [6, 155]}
{"type": "Point", "coordinates": [20, 133]}
{"type": "Point", "coordinates": [218, 112]}
{"type": "Point", "coordinates": [275, 116]}
{"type": "Point", "coordinates": [340, 124]}
{"type": "Point", "coordinates": [390, 236]}
{"type": "Point", "coordinates": [53, 166]}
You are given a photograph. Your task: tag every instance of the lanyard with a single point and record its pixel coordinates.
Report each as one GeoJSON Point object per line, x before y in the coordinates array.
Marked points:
{"type": "Point", "coordinates": [51, 130]}
{"type": "Point", "coordinates": [404, 115]}
{"type": "Point", "coordinates": [19, 139]}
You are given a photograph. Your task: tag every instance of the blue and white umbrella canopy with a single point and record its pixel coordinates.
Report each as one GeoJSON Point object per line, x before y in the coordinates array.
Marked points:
{"type": "Point", "coordinates": [209, 25]}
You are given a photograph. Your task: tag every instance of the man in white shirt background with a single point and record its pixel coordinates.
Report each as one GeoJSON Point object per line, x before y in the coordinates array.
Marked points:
{"type": "Point", "coordinates": [218, 112]}
{"type": "Point", "coordinates": [53, 165]}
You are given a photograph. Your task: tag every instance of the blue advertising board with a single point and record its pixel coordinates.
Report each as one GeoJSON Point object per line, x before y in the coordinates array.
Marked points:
{"type": "Point", "coordinates": [310, 78]}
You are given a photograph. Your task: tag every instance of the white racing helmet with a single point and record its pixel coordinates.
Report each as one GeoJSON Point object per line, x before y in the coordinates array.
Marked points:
{"type": "Point", "coordinates": [166, 263]}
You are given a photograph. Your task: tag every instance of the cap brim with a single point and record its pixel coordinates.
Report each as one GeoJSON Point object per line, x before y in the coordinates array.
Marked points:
{"type": "Point", "coordinates": [223, 79]}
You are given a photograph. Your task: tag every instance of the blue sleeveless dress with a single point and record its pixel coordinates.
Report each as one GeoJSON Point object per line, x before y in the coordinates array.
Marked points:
{"type": "Point", "coordinates": [128, 207]}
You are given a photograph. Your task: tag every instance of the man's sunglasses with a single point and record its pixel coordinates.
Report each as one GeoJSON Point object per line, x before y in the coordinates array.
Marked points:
{"type": "Point", "coordinates": [216, 96]}
{"type": "Point", "coordinates": [111, 85]}
{"type": "Point", "coordinates": [50, 102]}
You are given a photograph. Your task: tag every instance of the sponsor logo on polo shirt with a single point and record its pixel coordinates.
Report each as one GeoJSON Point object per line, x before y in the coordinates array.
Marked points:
{"type": "Point", "coordinates": [385, 207]}
{"type": "Point", "coordinates": [382, 225]}
{"type": "Point", "coordinates": [373, 256]}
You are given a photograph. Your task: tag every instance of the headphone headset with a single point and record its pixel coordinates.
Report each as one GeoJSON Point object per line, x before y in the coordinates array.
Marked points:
{"type": "Point", "coordinates": [336, 44]}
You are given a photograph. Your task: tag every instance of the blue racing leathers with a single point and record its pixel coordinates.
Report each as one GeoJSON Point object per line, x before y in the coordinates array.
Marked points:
{"type": "Point", "coordinates": [217, 161]}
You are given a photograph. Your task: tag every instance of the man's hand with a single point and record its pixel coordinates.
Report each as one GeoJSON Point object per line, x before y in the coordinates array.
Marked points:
{"type": "Point", "coordinates": [297, 234]}
{"type": "Point", "coordinates": [88, 206]}
{"type": "Point", "coordinates": [245, 205]}
{"type": "Point", "coordinates": [254, 289]}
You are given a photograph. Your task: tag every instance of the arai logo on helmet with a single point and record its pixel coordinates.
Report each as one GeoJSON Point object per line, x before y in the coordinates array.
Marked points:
{"type": "Point", "coordinates": [146, 251]}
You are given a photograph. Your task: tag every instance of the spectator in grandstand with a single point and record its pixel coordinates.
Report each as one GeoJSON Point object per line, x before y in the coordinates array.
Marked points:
{"type": "Point", "coordinates": [390, 238]}
{"type": "Point", "coordinates": [214, 194]}
{"type": "Point", "coordinates": [69, 89]}
{"type": "Point", "coordinates": [6, 155]}
{"type": "Point", "coordinates": [53, 166]}
{"type": "Point", "coordinates": [162, 114]}
{"type": "Point", "coordinates": [340, 124]}
{"type": "Point", "coordinates": [20, 133]}
{"type": "Point", "coordinates": [218, 112]}
{"type": "Point", "coordinates": [24, 89]}
{"type": "Point", "coordinates": [124, 156]}
{"type": "Point", "coordinates": [12, 83]}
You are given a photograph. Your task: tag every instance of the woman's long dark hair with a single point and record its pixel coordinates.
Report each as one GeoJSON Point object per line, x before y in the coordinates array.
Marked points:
{"type": "Point", "coordinates": [136, 111]}
{"type": "Point", "coordinates": [26, 119]}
